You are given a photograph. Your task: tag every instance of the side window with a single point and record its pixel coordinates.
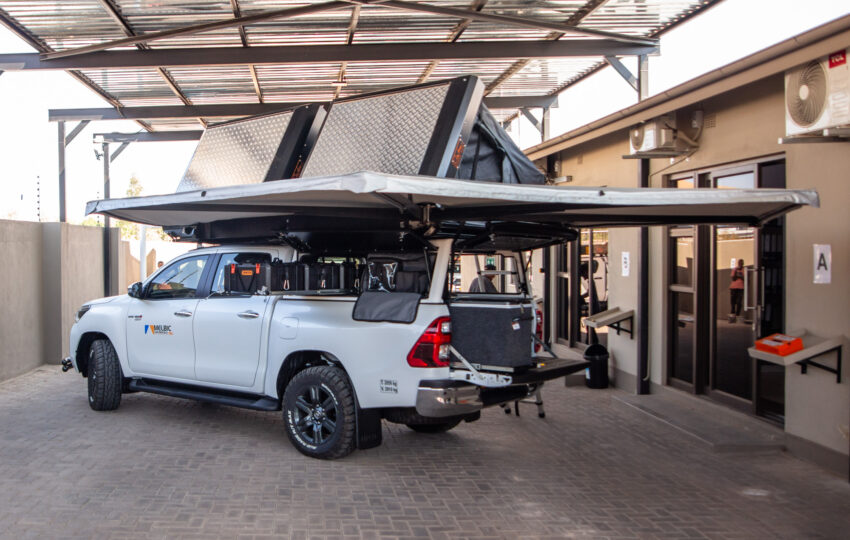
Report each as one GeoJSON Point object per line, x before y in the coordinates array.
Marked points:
{"type": "Point", "coordinates": [178, 280]}
{"type": "Point", "coordinates": [234, 258]}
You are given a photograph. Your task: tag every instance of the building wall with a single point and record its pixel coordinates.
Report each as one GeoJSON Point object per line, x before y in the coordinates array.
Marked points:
{"type": "Point", "coordinates": [820, 408]}
{"type": "Point", "coordinates": [745, 124]}
{"type": "Point", "coordinates": [20, 298]}
{"type": "Point", "coordinates": [54, 269]}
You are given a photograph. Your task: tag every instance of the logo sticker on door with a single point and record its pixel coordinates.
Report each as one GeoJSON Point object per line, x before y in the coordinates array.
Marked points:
{"type": "Point", "coordinates": [158, 329]}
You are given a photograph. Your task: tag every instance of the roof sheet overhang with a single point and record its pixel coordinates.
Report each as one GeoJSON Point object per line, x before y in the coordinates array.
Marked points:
{"type": "Point", "coordinates": [427, 201]}
{"type": "Point", "coordinates": [375, 32]}
{"type": "Point", "coordinates": [778, 58]}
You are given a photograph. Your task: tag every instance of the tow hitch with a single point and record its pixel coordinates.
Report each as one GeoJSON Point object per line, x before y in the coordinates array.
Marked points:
{"type": "Point", "coordinates": [66, 364]}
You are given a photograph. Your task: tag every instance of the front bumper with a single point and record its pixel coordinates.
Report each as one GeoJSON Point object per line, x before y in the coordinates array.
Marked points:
{"type": "Point", "coordinates": [459, 395]}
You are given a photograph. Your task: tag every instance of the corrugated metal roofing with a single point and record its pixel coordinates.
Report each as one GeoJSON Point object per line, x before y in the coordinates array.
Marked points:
{"type": "Point", "coordinates": [69, 24]}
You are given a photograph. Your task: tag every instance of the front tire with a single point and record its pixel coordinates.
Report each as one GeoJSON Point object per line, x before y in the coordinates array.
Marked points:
{"type": "Point", "coordinates": [104, 376]}
{"type": "Point", "coordinates": [319, 413]}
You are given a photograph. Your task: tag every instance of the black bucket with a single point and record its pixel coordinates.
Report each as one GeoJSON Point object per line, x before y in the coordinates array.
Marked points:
{"type": "Point", "coordinates": [597, 372]}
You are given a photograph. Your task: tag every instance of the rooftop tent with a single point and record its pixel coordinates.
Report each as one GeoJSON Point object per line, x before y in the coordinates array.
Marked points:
{"type": "Point", "coordinates": [417, 130]}
{"type": "Point", "coordinates": [253, 150]}
{"type": "Point", "coordinates": [492, 155]}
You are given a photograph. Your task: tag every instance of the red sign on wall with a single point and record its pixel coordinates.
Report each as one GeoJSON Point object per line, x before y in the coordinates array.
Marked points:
{"type": "Point", "coordinates": [837, 59]}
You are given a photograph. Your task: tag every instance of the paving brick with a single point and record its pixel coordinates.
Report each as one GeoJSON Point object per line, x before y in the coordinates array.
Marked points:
{"type": "Point", "coordinates": [164, 468]}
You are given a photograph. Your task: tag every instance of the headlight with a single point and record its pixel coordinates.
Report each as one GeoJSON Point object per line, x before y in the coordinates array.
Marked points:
{"type": "Point", "coordinates": [82, 311]}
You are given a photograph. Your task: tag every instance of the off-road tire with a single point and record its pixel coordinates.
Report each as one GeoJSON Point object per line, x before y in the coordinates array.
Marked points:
{"type": "Point", "coordinates": [104, 376]}
{"type": "Point", "coordinates": [441, 427]}
{"type": "Point", "coordinates": [336, 401]}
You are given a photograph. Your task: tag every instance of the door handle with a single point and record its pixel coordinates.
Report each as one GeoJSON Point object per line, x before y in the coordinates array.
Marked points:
{"type": "Point", "coordinates": [183, 313]}
{"type": "Point", "coordinates": [248, 315]}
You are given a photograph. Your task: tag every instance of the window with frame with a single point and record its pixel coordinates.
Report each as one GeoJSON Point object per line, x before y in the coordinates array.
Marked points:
{"type": "Point", "coordinates": [178, 280]}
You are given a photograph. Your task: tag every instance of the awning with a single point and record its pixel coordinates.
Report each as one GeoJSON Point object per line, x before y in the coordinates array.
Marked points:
{"type": "Point", "coordinates": [371, 197]}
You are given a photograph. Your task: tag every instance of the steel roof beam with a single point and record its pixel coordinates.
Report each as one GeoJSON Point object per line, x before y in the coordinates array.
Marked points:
{"type": "Point", "coordinates": [314, 54]}
{"type": "Point", "coordinates": [199, 28]}
{"type": "Point", "coordinates": [624, 72]}
{"type": "Point", "coordinates": [144, 136]}
{"type": "Point", "coordinates": [36, 43]}
{"type": "Point", "coordinates": [454, 35]}
{"type": "Point", "coordinates": [574, 20]}
{"type": "Point", "coordinates": [509, 20]}
{"type": "Point", "coordinates": [234, 110]}
{"type": "Point", "coordinates": [114, 13]}
{"type": "Point", "coordinates": [243, 37]}
{"type": "Point", "coordinates": [349, 39]}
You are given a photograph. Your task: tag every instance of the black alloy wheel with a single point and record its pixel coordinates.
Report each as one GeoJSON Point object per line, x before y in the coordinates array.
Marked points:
{"type": "Point", "coordinates": [320, 412]}
{"type": "Point", "coordinates": [315, 414]}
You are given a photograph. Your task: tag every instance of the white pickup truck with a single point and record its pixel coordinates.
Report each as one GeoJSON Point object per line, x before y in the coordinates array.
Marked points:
{"type": "Point", "coordinates": [337, 343]}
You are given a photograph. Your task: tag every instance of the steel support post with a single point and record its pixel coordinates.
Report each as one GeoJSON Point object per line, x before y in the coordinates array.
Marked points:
{"type": "Point", "coordinates": [643, 375]}
{"type": "Point", "coordinates": [61, 153]}
{"type": "Point", "coordinates": [106, 223]}
{"type": "Point", "coordinates": [546, 122]}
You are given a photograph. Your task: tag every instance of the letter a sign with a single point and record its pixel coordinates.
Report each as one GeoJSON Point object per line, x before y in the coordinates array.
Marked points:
{"type": "Point", "coordinates": [823, 263]}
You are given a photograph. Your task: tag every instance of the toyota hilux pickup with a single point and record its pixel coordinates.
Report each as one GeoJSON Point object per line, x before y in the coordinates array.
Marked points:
{"type": "Point", "coordinates": [329, 298]}
{"type": "Point", "coordinates": [338, 342]}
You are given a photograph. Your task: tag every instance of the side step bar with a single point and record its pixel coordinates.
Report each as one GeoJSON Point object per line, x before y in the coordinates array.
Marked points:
{"type": "Point", "coordinates": [245, 401]}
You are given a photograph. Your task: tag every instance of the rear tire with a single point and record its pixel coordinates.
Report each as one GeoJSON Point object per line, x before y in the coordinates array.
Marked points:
{"type": "Point", "coordinates": [319, 413]}
{"type": "Point", "coordinates": [104, 376]}
{"type": "Point", "coordinates": [441, 427]}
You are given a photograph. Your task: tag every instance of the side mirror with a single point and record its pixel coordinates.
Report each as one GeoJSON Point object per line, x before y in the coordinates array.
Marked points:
{"type": "Point", "coordinates": [135, 290]}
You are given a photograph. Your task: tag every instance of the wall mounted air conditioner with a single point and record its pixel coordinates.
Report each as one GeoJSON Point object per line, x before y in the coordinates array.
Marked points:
{"type": "Point", "coordinates": [656, 138]}
{"type": "Point", "coordinates": [817, 95]}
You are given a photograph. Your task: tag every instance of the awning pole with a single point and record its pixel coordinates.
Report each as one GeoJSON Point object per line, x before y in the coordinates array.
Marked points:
{"type": "Point", "coordinates": [643, 375]}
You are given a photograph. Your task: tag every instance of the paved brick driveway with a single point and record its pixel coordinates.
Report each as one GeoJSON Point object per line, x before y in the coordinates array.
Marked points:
{"type": "Point", "coordinates": [594, 468]}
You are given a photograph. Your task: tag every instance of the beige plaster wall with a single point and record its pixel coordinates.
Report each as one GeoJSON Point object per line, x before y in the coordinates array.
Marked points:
{"type": "Point", "coordinates": [53, 268]}
{"type": "Point", "coordinates": [21, 347]}
{"type": "Point", "coordinates": [817, 408]}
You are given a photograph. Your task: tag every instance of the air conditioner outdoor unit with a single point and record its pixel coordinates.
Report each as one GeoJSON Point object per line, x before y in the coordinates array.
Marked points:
{"type": "Point", "coordinates": [817, 95]}
{"type": "Point", "coordinates": [656, 138]}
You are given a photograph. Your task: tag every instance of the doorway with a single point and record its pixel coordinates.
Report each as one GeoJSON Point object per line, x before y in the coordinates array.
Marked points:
{"type": "Point", "coordinates": [725, 290]}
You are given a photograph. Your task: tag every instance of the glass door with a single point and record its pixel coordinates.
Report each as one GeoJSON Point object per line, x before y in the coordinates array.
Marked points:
{"type": "Point", "coordinates": [725, 290]}
{"type": "Point", "coordinates": [735, 300]}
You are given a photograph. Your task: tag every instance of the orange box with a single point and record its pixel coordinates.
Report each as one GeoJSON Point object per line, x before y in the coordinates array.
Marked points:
{"type": "Point", "coordinates": [779, 344]}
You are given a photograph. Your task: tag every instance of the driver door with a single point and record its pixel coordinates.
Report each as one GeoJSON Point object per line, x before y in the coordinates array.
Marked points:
{"type": "Point", "coordinates": [159, 325]}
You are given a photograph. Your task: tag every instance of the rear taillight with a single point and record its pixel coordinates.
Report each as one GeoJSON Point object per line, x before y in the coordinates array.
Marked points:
{"type": "Point", "coordinates": [538, 331]}
{"type": "Point", "coordinates": [432, 348]}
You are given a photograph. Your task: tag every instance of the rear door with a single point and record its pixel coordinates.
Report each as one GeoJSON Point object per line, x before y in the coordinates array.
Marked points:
{"type": "Point", "coordinates": [159, 325]}
{"type": "Point", "coordinates": [228, 329]}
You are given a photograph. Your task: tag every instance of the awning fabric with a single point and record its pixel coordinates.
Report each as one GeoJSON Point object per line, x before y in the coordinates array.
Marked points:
{"type": "Point", "coordinates": [367, 196]}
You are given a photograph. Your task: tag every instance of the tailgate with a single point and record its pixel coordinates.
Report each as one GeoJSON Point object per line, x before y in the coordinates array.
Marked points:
{"type": "Point", "coordinates": [544, 369]}
{"type": "Point", "coordinates": [548, 369]}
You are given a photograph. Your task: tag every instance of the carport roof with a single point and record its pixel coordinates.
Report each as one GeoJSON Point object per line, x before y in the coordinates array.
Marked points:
{"type": "Point", "coordinates": [138, 53]}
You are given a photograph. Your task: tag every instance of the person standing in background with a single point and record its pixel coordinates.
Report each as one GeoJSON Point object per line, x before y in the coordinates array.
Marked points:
{"type": "Point", "coordinates": [736, 291]}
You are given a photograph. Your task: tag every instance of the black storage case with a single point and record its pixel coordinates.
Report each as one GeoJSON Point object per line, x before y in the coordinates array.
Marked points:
{"type": "Point", "coordinates": [288, 276]}
{"type": "Point", "coordinates": [248, 278]}
{"type": "Point", "coordinates": [322, 276]}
